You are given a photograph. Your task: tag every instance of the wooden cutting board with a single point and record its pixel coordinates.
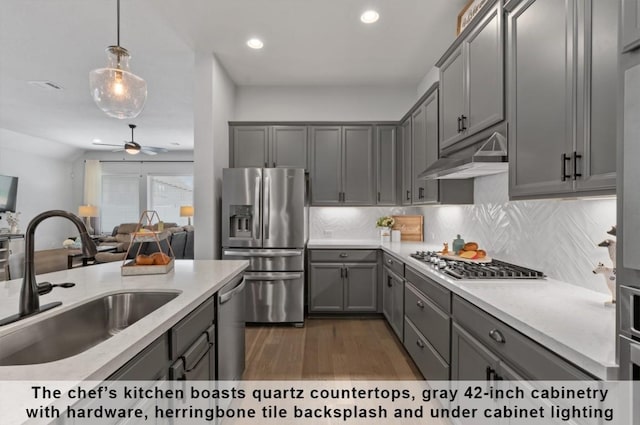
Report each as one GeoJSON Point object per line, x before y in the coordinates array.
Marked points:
{"type": "Point", "coordinates": [411, 227]}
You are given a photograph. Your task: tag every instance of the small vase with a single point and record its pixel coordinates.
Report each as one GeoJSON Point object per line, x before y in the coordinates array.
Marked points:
{"type": "Point", "coordinates": [385, 234]}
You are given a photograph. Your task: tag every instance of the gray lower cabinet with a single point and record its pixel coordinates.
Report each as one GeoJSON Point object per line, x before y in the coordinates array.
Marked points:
{"type": "Point", "coordinates": [406, 160]}
{"type": "Point", "coordinates": [349, 287]}
{"type": "Point", "coordinates": [386, 165]}
{"type": "Point", "coordinates": [269, 146]}
{"type": "Point", "coordinates": [630, 24]}
{"type": "Point", "coordinates": [393, 300]}
{"type": "Point", "coordinates": [484, 336]}
{"type": "Point", "coordinates": [342, 165]}
{"type": "Point", "coordinates": [563, 73]}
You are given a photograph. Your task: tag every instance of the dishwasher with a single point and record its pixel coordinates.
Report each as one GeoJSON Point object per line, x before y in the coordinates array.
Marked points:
{"type": "Point", "coordinates": [230, 327]}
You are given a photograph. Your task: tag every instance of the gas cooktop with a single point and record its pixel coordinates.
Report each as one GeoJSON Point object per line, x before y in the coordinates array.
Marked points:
{"type": "Point", "coordinates": [495, 269]}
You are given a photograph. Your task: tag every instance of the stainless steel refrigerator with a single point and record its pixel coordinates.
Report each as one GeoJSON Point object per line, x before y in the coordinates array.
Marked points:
{"type": "Point", "coordinates": [263, 221]}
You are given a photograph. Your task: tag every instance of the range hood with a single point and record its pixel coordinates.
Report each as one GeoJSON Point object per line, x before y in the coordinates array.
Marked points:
{"type": "Point", "coordinates": [491, 158]}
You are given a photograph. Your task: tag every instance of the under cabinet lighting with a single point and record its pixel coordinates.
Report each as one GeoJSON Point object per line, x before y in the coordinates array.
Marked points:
{"type": "Point", "coordinates": [369, 17]}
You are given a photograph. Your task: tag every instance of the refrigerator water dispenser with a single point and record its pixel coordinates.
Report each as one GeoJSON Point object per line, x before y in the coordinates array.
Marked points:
{"type": "Point", "coordinates": [241, 221]}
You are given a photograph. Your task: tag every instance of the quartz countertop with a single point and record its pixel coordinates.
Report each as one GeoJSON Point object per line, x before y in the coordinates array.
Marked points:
{"type": "Point", "coordinates": [571, 321]}
{"type": "Point", "coordinates": [195, 280]}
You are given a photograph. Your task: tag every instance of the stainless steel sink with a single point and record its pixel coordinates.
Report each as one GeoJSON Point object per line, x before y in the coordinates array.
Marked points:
{"type": "Point", "coordinates": [76, 330]}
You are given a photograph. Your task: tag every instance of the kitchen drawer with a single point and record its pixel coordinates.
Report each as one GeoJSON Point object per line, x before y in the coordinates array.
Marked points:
{"type": "Point", "coordinates": [394, 264]}
{"type": "Point", "coordinates": [431, 365]}
{"type": "Point", "coordinates": [342, 255]}
{"type": "Point", "coordinates": [533, 360]}
{"type": "Point", "coordinates": [189, 329]}
{"type": "Point", "coordinates": [429, 320]}
{"type": "Point", "coordinates": [430, 289]}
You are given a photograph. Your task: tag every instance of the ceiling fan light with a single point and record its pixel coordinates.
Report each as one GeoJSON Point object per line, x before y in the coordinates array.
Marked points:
{"type": "Point", "coordinates": [118, 92]}
{"type": "Point", "coordinates": [132, 148]}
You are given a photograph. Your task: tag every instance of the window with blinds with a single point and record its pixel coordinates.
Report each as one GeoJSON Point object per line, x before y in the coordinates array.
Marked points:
{"type": "Point", "coordinates": [120, 200]}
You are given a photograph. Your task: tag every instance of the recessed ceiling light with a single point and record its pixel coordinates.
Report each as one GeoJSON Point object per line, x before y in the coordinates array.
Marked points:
{"type": "Point", "coordinates": [255, 43]}
{"type": "Point", "coordinates": [175, 143]}
{"type": "Point", "coordinates": [369, 17]}
{"type": "Point", "coordinates": [45, 84]}
{"type": "Point", "coordinates": [97, 141]}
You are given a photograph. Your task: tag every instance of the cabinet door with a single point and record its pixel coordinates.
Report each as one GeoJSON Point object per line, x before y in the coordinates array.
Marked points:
{"type": "Point", "coordinates": [597, 96]}
{"type": "Point", "coordinates": [470, 360]}
{"type": "Point", "coordinates": [630, 24]}
{"type": "Point", "coordinates": [430, 193]}
{"type": "Point", "coordinates": [407, 153]}
{"type": "Point", "coordinates": [485, 76]}
{"type": "Point", "coordinates": [358, 166]}
{"type": "Point", "coordinates": [288, 147]}
{"type": "Point", "coordinates": [419, 154]}
{"type": "Point", "coordinates": [540, 97]}
{"type": "Point", "coordinates": [387, 295]}
{"type": "Point", "coordinates": [397, 306]}
{"type": "Point", "coordinates": [452, 86]}
{"type": "Point", "coordinates": [249, 146]}
{"type": "Point", "coordinates": [386, 153]}
{"type": "Point", "coordinates": [326, 165]}
{"type": "Point", "coordinates": [361, 285]}
{"type": "Point", "coordinates": [326, 292]}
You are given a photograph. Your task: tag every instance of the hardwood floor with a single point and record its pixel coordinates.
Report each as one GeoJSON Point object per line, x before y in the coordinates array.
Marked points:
{"type": "Point", "coordinates": [327, 349]}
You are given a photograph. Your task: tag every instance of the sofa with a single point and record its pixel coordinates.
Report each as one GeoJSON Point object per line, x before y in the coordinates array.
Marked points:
{"type": "Point", "coordinates": [179, 238]}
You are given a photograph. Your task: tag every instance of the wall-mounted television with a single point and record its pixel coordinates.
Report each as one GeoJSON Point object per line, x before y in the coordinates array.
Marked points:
{"type": "Point", "coordinates": [8, 193]}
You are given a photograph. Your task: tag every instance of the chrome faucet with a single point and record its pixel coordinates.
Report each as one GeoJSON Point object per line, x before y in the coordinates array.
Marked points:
{"type": "Point", "coordinates": [29, 294]}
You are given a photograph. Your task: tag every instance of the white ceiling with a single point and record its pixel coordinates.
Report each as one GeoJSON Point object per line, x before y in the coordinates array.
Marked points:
{"type": "Point", "coordinates": [307, 43]}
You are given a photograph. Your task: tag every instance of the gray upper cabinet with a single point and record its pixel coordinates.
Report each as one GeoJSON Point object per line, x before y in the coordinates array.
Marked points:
{"type": "Point", "coordinates": [358, 166]}
{"type": "Point", "coordinates": [425, 148]}
{"type": "Point", "coordinates": [268, 146]}
{"type": "Point", "coordinates": [288, 147]}
{"type": "Point", "coordinates": [419, 153]}
{"type": "Point", "coordinates": [386, 165]}
{"type": "Point", "coordinates": [541, 119]}
{"type": "Point", "coordinates": [326, 165]}
{"type": "Point", "coordinates": [452, 84]}
{"type": "Point", "coordinates": [630, 25]}
{"type": "Point", "coordinates": [407, 159]}
{"type": "Point", "coordinates": [472, 80]}
{"type": "Point", "coordinates": [249, 146]}
{"type": "Point", "coordinates": [342, 165]}
{"type": "Point", "coordinates": [562, 72]}
{"type": "Point", "coordinates": [597, 82]}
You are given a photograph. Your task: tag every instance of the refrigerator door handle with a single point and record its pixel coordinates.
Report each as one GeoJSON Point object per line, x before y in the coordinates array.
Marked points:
{"type": "Point", "coordinates": [266, 277]}
{"type": "Point", "coordinates": [258, 214]}
{"type": "Point", "coordinates": [263, 254]}
{"type": "Point", "coordinates": [267, 205]}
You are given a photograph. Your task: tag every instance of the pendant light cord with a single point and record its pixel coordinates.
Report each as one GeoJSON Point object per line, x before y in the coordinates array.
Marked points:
{"type": "Point", "coordinates": [118, 23]}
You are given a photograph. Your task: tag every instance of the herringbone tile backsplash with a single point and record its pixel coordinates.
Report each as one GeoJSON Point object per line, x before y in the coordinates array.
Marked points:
{"type": "Point", "coordinates": [558, 237]}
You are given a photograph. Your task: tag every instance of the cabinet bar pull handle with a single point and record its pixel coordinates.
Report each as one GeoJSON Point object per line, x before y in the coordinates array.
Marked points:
{"type": "Point", "coordinates": [346, 272]}
{"type": "Point", "coordinates": [389, 282]}
{"type": "Point", "coordinates": [266, 164]}
{"type": "Point", "coordinates": [463, 119]}
{"type": "Point", "coordinates": [497, 336]}
{"type": "Point", "coordinates": [576, 157]}
{"type": "Point", "coordinates": [459, 125]}
{"type": "Point", "coordinates": [274, 164]}
{"type": "Point", "coordinates": [343, 255]}
{"type": "Point", "coordinates": [341, 271]}
{"type": "Point", "coordinates": [420, 304]}
{"type": "Point", "coordinates": [378, 196]}
{"type": "Point", "coordinates": [419, 343]}
{"type": "Point", "coordinates": [565, 159]}
{"type": "Point", "coordinates": [408, 195]}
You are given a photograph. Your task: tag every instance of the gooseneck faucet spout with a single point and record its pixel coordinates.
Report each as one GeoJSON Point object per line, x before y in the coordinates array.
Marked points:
{"type": "Point", "coordinates": [29, 297]}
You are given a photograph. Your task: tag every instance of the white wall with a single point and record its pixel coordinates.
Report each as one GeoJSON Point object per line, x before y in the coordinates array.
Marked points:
{"type": "Point", "coordinates": [431, 77]}
{"type": "Point", "coordinates": [304, 103]}
{"type": "Point", "coordinates": [44, 169]}
{"type": "Point", "coordinates": [214, 104]}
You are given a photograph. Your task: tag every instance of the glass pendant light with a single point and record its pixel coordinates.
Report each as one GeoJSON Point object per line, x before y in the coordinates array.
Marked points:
{"type": "Point", "coordinates": [116, 90]}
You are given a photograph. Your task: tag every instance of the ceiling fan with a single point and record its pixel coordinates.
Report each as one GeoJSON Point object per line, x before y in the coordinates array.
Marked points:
{"type": "Point", "coordinates": [133, 148]}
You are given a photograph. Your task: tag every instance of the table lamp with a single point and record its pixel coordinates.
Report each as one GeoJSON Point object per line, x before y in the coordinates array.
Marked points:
{"type": "Point", "coordinates": [88, 211]}
{"type": "Point", "coordinates": [186, 211]}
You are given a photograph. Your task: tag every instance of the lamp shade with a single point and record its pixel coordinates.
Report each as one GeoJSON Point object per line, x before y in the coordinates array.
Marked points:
{"type": "Point", "coordinates": [186, 211]}
{"type": "Point", "coordinates": [88, 211]}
